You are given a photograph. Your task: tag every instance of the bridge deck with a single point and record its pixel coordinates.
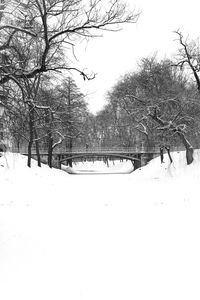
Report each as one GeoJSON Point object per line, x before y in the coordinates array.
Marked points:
{"type": "Point", "coordinates": [94, 151]}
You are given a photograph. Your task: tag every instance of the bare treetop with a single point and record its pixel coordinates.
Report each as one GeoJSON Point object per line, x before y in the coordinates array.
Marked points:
{"type": "Point", "coordinates": [49, 30]}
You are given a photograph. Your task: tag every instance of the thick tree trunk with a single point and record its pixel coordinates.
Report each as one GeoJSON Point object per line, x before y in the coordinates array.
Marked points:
{"type": "Point", "coordinates": [50, 151]}
{"type": "Point", "coordinates": [70, 149]}
{"type": "Point", "coordinates": [188, 147]}
{"type": "Point", "coordinates": [29, 152]}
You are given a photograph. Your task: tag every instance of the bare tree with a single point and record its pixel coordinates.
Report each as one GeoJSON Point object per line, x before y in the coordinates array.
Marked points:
{"type": "Point", "coordinates": [172, 127]}
{"type": "Point", "coordinates": [189, 56]}
{"type": "Point", "coordinates": [60, 113]}
{"type": "Point", "coordinates": [50, 30]}
{"type": "Point", "coordinates": [154, 102]}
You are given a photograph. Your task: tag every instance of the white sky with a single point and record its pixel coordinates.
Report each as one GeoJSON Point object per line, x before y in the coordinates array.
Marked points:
{"type": "Point", "coordinates": [116, 53]}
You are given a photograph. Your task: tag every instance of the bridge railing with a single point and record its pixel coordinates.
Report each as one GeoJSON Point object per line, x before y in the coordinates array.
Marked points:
{"type": "Point", "coordinates": [131, 150]}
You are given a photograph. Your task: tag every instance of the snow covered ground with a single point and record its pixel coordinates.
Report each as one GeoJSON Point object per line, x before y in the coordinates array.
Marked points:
{"type": "Point", "coordinates": [114, 237]}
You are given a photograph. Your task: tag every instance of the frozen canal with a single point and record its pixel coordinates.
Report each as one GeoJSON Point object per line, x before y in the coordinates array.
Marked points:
{"type": "Point", "coordinates": [98, 237]}
{"type": "Point", "coordinates": [100, 167]}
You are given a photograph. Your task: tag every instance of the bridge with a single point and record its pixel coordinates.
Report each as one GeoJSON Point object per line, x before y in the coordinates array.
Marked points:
{"type": "Point", "coordinates": [139, 156]}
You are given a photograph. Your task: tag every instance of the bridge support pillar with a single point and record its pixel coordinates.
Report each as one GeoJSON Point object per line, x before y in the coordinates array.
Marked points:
{"type": "Point", "coordinates": [145, 158]}
{"type": "Point", "coordinates": [137, 163]}
{"type": "Point", "coordinates": [69, 162]}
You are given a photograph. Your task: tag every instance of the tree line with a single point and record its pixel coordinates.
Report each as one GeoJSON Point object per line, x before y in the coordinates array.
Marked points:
{"type": "Point", "coordinates": [158, 104]}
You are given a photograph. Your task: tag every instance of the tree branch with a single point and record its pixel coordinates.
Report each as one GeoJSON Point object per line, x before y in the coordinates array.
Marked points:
{"type": "Point", "coordinates": [18, 29]}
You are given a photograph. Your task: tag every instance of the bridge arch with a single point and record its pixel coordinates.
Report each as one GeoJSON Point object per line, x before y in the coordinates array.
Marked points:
{"type": "Point", "coordinates": [117, 155]}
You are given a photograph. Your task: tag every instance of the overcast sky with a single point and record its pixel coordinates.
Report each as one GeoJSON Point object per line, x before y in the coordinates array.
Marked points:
{"type": "Point", "coordinates": [116, 53]}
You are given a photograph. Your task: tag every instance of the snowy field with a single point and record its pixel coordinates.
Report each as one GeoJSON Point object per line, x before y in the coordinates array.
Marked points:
{"type": "Point", "coordinates": [114, 237]}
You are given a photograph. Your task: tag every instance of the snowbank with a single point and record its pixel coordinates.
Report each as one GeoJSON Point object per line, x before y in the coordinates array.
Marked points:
{"type": "Point", "coordinates": [14, 165]}
{"type": "Point", "coordinates": [178, 169]}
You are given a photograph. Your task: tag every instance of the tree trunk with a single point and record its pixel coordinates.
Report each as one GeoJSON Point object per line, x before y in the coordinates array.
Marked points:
{"type": "Point", "coordinates": [37, 148]}
{"type": "Point", "coordinates": [168, 152]}
{"type": "Point", "coordinates": [29, 152]}
{"type": "Point", "coordinates": [18, 146]}
{"type": "Point", "coordinates": [31, 121]}
{"type": "Point", "coordinates": [161, 155]}
{"type": "Point", "coordinates": [50, 151]}
{"type": "Point", "coordinates": [188, 147]}
{"type": "Point", "coordinates": [70, 150]}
